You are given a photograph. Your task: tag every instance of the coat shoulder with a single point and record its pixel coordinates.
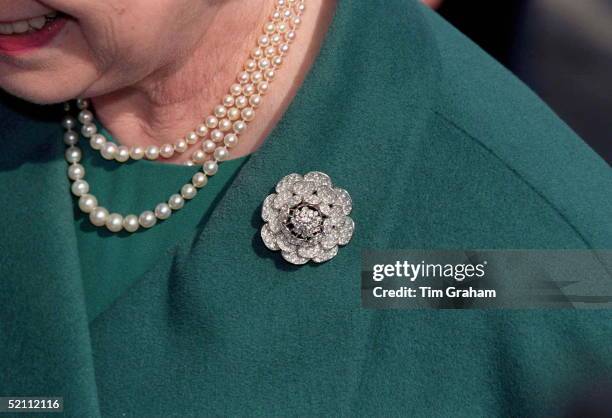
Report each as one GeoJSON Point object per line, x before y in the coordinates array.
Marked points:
{"type": "Point", "coordinates": [483, 105]}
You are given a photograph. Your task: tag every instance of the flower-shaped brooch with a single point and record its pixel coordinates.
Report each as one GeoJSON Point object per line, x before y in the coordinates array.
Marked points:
{"type": "Point", "coordinates": [307, 218]}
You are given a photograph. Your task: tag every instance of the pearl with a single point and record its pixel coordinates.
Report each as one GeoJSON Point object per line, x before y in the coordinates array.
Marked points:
{"type": "Point", "coordinates": [209, 146]}
{"type": "Point", "coordinates": [290, 36]}
{"type": "Point", "coordinates": [85, 116]}
{"type": "Point", "coordinates": [71, 138]}
{"type": "Point", "coordinates": [239, 126]}
{"type": "Point", "coordinates": [230, 140]}
{"type": "Point", "coordinates": [243, 77]}
{"type": "Point", "coordinates": [241, 102]}
{"type": "Point", "coordinates": [137, 152]}
{"type": "Point", "coordinates": [270, 74]}
{"type": "Point", "coordinates": [269, 28]}
{"type": "Point", "coordinates": [202, 130]}
{"type": "Point", "coordinates": [166, 150]}
{"type": "Point", "coordinates": [89, 130]}
{"type": "Point", "coordinates": [221, 154]}
{"type": "Point", "coordinates": [233, 114]}
{"type": "Point", "coordinates": [250, 66]}
{"type": "Point", "coordinates": [147, 219]}
{"type": "Point", "coordinates": [263, 87]}
{"type": "Point", "coordinates": [228, 101]}
{"type": "Point", "coordinates": [181, 146]}
{"type": "Point", "coordinates": [236, 89]}
{"type": "Point", "coordinates": [248, 114]}
{"type": "Point", "coordinates": [98, 216]}
{"type": "Point", "coordinates": [212, 122]}
{"type": "Point", "coordinates": [163, 211]}
{"type": "Point", "coordinates": [76, 172]}
{"type": "Point", "coordinates": [217, 135]}
{"type": "Point", "coordinates": [69, 122]}
{"type": "Point", "coordinates": [256, 53]}
{"type": "Point", "coordinates": [114, 222]}
{"type": "Point", "coordinates": [152, 152]}
{"type": "Point", "coordinates": [130, 223]}
{"type": "Point", "coordinates": [80, 187]}
{"type": "Point", "coordinates": [176, 201]}
{"type": "Point", "coordinates": [122, 154]}
{"type": "Point", "coordinates": [248, 89]}
{"type": "Point", "coordinates": [198, 157]}
{"type": "Point", "coordinates": [188, 191]}
{"type": "Point", "coordinates": [189, 163]}
{"type": "Point", "coordinates": [210, 167]}
{"type": "Point", "coordinates": [192, 138]}
{"type": "Point", "coordinates": [225, 125]}
{"type": "Point", "coordinates": [73, 155]}
{"type": "Point", "coordinates": [277, 61]}
{"type": "Point", "coordinates": [109, 150]}
{"type": "Point", "coordinates": [199, 179]}
{"type": "Point", "coordinates": [255, 100]}
{"type": "Point", "coordinates": [257, 76]}
{"type": "Point", "coordinates": [82, 103]}
{"type": "Point", "coordinates": [276, 39]}
{"type": "Point", "coordinates": [220, 111]}
{"type": "Point", "coordinates": [270, 51]}
{"type": "Point", "coordinates": [263, 41]}
{"type": "Point", "coordinates": [97, 141]}
{"type": "Point", "coordinates": [283, 49]}
{"type": "Point", "coordinates": [87, 203]}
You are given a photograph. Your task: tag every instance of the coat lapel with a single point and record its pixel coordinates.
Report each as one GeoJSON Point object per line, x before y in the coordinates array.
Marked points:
{"type": "Point", "coordinates": [44, 332]}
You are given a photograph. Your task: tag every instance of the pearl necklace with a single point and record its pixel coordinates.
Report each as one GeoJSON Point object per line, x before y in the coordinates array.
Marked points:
{"type": "Point", "coordinates": [218, 133]}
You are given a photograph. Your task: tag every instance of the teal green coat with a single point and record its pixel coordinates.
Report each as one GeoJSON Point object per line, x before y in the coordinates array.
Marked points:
{"type": "Point", "coordinates": [439, 147]}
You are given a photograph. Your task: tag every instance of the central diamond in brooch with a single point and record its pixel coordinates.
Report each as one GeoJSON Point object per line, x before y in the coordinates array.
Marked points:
{"type": "Point", "coordinates": [307, 218]}
{"type": "Point", "coordinates": [304, 222]}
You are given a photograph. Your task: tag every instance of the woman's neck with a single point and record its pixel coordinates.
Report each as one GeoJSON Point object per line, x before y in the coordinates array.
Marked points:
{"type": "Point", "coordinates": [171, 102]}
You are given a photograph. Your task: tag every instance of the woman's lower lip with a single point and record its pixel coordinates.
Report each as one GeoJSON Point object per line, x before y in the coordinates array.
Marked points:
{"type": "Point", "coordinates": [20, 43]}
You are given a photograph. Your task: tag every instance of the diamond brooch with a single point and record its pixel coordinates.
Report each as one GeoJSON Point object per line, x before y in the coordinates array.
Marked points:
{"type": "Point", "coordinates": [307, 218]}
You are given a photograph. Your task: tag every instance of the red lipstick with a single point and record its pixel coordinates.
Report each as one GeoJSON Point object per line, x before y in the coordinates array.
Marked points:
{"type": "Point", "coordinates": [24, 42]}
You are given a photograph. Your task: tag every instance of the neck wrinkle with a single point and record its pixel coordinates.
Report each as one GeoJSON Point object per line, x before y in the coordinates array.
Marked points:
{"type": "Point", "coordinates": [171, 101]}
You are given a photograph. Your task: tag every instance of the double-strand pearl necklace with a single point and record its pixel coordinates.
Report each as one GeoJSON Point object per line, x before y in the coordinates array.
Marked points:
{"type": "Point", "coordinates": [216, 135]}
